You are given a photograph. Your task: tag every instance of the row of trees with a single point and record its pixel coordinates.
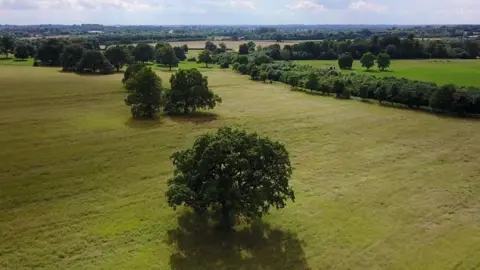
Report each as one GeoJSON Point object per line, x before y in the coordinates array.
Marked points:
{"type": "Point", "coordinates": [146, 95]}
{"type": "Point", "coordinates": [413, 94]}
{"type": "Point", "coordinates": [395, 47]}
{"type": "Point", "coordinates": [368, 60]}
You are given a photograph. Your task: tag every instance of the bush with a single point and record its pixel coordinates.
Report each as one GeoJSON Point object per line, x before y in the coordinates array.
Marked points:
{"type": "Point", "coordinates": [235, 66]}
{"type": "Point", "coordinates": [192, 59]}
{"type": "Point", "coordinates": [242, 69]}
{"type": "Point", "coordinates": [224, 65]}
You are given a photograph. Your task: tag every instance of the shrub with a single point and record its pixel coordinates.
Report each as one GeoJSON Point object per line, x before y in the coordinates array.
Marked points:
{"type": "Point", "coordinates": [192, 59]}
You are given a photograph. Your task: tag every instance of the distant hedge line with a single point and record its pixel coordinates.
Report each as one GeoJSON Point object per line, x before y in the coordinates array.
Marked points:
{"type": "Point", "coordinates": [450, 98]}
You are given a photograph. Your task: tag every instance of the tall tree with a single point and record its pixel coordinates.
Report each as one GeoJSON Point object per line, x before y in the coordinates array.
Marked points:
{"type": "Point", "coordinates": [118, 56]}
{"type": "Point", "coordinates": [189, 92]}
{"type": "Point", "coordinates": [185, 48]}
{"type": "Point", "coordinates": [179, 53]}
{"type": "Point", "coordinates": [166, 56]}
{"type": "Point", "coordinates": [49, 51]}
{"type": "Point", "coordinates": [232, 172]}
{"type": "Point", "coordinates": [205, 57]}
{"type": "Point", "coordinates": [383, 61]}
{"type": "Point", "coordinates": [7, 44]}
{"type": "Point", "coordinates": [144, 93]}
{"type": "Point", "coordinates": [71, 56]}
{"type": "Point", "coordinates": [210, 46]}
{"type": "Point", "coordinates": [21, 51]}
{"type": "Point", "coordinates": [131, 71]}
{"type": "Point", "coordinates": [143, 53]}
{"type": "Point", "coordinates": [368, 60]}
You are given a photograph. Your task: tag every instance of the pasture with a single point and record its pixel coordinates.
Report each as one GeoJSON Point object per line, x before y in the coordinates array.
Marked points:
{"type": "Point", "coordinates": [82, 185]}
{"type": "Point", "coordinates": [441, 71]}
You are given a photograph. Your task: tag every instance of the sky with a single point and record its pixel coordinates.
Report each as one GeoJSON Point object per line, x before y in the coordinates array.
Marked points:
{"type": "Point", "coordinates": [229, 12]}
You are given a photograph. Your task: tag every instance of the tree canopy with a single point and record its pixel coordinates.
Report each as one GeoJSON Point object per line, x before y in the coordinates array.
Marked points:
{"type": "Point", "coordinates": [143, 53]}
{"type": "Point", "coordinates": [71, 56]}
{"type": "Point", "coordinates": [144, 93]}
{"type": "Point", "coordinates": [93, 61]}
{"type": "Point", "coordinates": [205, 57]}
{"type": "Point", "coordinates": [189, 92]}
{"type": "Point", "coordinates": [21, 51]}
{"type": "Point", "coordinates": [7, 44]}
{"type": "Point", "coordinates": [345, 61]}
{"type": "Point", "coordinates": [232, 172]}
{"type": "Point", "coordinates": [166, 56]}
{"type": "Point", "coordinates": [368, 60]}
{"type": "Point", "coordinates": [383, 61]}
{"type": "Point", "coordinates": [118, 56]}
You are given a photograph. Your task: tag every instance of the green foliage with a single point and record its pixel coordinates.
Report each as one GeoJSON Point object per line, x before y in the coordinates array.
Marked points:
{"type": "Point", "coordinates": [312, 81]}
{"type": "Point", "coordinates": [254, 73]}
{"type": "Point", "coordinates": [205, 57]}
{"type": "Point", "coordinates": [285, 55]}
{"type": "Point", "coordinates": [144, 93]}
{"type": "Point", "coordinates": [21, 51]}
{"type": "Point", "coordinates": [224, 65]}
{"type": "Point", "coordinates": [339, 89]}
{"type": "Point", "coordinates": [131, 71]}
{"type": "Point", "coordinates": [49, 51]}
{"type": "Point", "coordinates": [243, 48]}
{"type": "Point", "coordinates": [180, 53]}
{"type": "Point", "coordinates": [231, 172]}
{"type": "Point", "coordinates": [381, 94]}
{"type": "Point", "coordinates": [292, 80]}
{"type": "Point", "coordinates": [70, 57]}
{"type": "Point", "coordinates": [118, 56]}
{"type": "Point", "coordinates": [143, 53]}
{"type": "Point", "coordinates": [243, 69]}
{"type": "Point", "coordinates": [383, 61]}
{"type": "Point", "coordinates": [189, 92]}
{"type": "Point", "coordinates": [7, 44]}
{"type": "Point", "coordinates": [185, 48]}
{"type": "Point", "coordinates": [345, 61]}
{"type": "Point", "coordinates": [442, 99]}
{"type": "Point", "coordinates": [263, 76]}
{"type": "Point", "coordinates": [93, 61]}
{"type": "Point", "coordinates": [166, 56]}
{"type": "Point", "coordinates": [368, 60]}
{"type": "Point", "coordinates": [210, 46]}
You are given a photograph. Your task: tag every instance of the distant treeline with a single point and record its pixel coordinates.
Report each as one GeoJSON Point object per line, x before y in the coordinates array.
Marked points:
{"type": "Point", "coordinates": [153, 34]}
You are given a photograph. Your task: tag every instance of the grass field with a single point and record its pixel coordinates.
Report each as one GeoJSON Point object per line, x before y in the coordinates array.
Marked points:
{"type": "Point", "coordinates": [232, 44]}
{"type": "Point", "coordinates": [460, 72]}
{"type": "Point", "coordinates": [82, 185]}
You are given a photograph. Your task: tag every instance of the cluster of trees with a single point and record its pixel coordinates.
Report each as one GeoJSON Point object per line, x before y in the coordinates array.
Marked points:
{"type": "Point", "coordinates": [20, 48]}
{"type": "Point", "coordinates": [146, 94]}
{"type": "Point", "coordinates": [394, 46]}
{"type": "Point", "coordinates": [368, 60]}
{"type": "Point", "coordinates": [413, 94]}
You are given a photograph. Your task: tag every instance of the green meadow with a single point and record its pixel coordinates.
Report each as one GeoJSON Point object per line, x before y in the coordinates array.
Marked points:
{"type": "Point", "coordinates": [82, 184]}
{"type": "Point", "coordinates": [442, 71]}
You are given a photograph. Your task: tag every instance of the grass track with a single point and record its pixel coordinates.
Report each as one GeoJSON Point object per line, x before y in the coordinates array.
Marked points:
{"type": "Point", "coordinates": [82, 186]}
{"type": "Point", "coordinates": [443, 71]}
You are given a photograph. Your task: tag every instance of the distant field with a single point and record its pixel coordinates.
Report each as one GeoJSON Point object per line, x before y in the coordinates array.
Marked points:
{"type": "Point", "coordinates": [232, 44]}
{"type": "Point", "coordinates": [82, 186]}
{"type": "Point", "coordinates": [460, 72]}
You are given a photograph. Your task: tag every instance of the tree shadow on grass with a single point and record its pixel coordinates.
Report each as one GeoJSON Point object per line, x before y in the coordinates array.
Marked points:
{"type": "Point", "coordinates": [195, 117]}
{"type": "Point", "coordinates": [259, 246]}
{"type": "Point", "coordinates": [144, 123]}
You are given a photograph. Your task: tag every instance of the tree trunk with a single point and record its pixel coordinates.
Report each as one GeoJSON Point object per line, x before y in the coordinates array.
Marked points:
{"type": "Point", "coordinates": [206, 65]}
{"type": "Point", "coordinates": [185, 108]}
{"type": "Point", "coordinates": [118, 68]}
{"type": "Point", "coordinates": [170, 67]}
{"type": "Point", "coordinates": [226, 221]}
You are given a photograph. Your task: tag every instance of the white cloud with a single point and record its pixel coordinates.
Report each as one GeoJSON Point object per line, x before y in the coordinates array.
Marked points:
{"type": "Point", "coordinates": [306, 6]}
{"type": "Point", "coordinates": [361, 5]}
{"type": "Point", "coordinates": [242, 4]}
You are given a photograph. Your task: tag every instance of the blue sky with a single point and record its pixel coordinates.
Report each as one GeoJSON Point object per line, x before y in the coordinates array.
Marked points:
{"type": "Point", "coordinates": [161, 12]}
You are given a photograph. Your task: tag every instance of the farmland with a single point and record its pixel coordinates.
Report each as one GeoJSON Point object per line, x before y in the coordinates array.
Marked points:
{"type": "Point", "coordinates": [444, 71]}
{"type": "Point", "coordinates": [82, 185]}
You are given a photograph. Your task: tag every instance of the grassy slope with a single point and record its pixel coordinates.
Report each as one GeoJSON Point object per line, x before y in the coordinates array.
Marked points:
{"type": "Point", "coordinates": [460, 72]}
{"type": "Point", "coordinates": [82, 186]}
